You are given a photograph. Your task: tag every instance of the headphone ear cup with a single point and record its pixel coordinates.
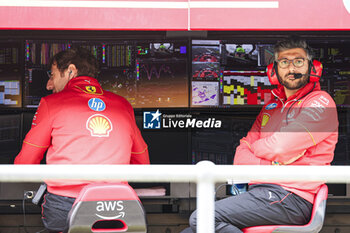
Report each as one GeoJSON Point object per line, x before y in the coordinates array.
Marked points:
{"type": "Point", "coordinates": [315, 71]}
{"type": "Point", "coordinates": [272, 74]}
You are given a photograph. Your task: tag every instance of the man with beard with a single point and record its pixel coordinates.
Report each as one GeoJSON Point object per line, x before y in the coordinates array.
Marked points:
{"type": "Point", "coordinates": [297, 127]}
{"type": "Point", "coordinates": [80, 123]}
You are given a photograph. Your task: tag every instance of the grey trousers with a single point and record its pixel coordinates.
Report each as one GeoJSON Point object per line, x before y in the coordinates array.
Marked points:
{"type": "Point", "coordinates": [55, 210]}
{"type": "Point", "coordinates": [263, 204]}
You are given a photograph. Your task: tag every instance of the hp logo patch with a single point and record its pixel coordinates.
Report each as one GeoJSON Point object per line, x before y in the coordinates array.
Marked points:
{"type": "Point", "coordinates": [96, 104]}
{"type": "Point", "coordinates": [151, 120]}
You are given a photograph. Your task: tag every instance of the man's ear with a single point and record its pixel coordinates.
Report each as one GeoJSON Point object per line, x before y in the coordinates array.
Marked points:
{"type": "Point", "coordinates": [72, 71]}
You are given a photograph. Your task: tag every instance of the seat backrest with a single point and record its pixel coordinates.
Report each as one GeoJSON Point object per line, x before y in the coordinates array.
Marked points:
{"type": "Point", "coordinates": [106, 207]}
{"type": "Point", "coordinates": [313, 226]}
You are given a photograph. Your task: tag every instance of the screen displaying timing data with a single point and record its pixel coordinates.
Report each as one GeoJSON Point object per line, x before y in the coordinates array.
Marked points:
{"type": "Point", "coordinates": [10, 76]}
{"type": "Point", "coordinates": [245, 88]}
{"type": "Point", "coordinates": [117, 73]}
{"type": "Point", "coordinates": [147, 74]}
{"type": "Point", "coordinates": [227, 74]}
{"type": "Point", "coordinates": [161, 74]}
{"type": "Point", "coordinates": [341, 87]}
{"type": "Point", "coordinates": [335, 58]}
{"type": "Point", "coordinates": [36, 64]}
{"type": "Point", "coordinates": [333, 55]}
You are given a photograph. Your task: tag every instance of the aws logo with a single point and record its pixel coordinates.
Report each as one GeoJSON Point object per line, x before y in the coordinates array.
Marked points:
{"type": "Point", "coordinates": [110, 206]}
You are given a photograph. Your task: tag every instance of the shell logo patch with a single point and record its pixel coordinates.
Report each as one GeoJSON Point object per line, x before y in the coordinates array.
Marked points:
{"type": "Point", "coordinates": [265, 119]}
{"type": "Point", "coordinates": [90, 89]}
{"type": "Point", "coordinates": [99, 125]}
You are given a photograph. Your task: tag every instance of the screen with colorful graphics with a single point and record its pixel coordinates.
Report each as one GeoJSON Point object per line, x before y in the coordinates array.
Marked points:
{"type": "Point", "coordinates": [245, 88]}
{"type": "Point", "coordinates": [161, 74]}
{"type": "Point", "coordinates": [147, 74]}
{"type": "Point", "coordinates": [340, 80]}
{"type": "Point", "coordinates": [36, 65]}
{"type": "Point", "coordinates": [209, 78]}
{"type": "Point", "coordinates": [335, 79]}
{"type": "Point", "coordinates": [10, 75]}
{"type": "Point", "coordinates": [228, 74]}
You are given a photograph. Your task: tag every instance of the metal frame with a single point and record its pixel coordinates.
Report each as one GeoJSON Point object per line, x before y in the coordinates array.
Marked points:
{"type": "Point", "coordinates": [205, 174]}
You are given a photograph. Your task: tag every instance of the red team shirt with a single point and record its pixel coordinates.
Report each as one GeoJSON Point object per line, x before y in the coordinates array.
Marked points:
{"type": "Point", "coordinates": [83, 124]}
{"type": "Point", "coordinates": [300, 130]}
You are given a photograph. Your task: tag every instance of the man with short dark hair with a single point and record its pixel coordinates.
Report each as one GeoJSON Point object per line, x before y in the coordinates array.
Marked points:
{"type": "Point", "coordinates": [79, 124]}
{"type": "Point", "coordinates": [297, 127]}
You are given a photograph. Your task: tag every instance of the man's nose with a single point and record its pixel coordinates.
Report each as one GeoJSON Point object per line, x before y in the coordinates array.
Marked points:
{"type": "Point", "coordinates": [291, 67]}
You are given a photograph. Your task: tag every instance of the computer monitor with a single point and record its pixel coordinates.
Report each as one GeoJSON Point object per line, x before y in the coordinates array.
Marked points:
{"type": "Point", "coordinates": [242, 55]}
{"type": "Point", "coordinates": [36, 64]}
{"type": "Point", "coordinates": [147, 73]}
{"type": "Point", "coordinates": [35, 86]}
{"type": "Point", "coordinates": [228, 73]}
{"type": "Point", "coordinates": [119, 81]}
{"type": "Point", "coordinates": [10, 75]}
{"type": "Point", "coordinates": [234, 88]}
{"type": "Point", "coordinates": [341, 87]}
{"type": "Point", "coordinates": [245, 88]}
{"type": "Point", "coordinates": [265, 54]}
{"type": "Point", "coordinates": [161, 74]}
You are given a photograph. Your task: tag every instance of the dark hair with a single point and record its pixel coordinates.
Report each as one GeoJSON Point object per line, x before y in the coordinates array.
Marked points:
{"type": "Point", "coordinates": [83, 60]}
{"type": "Point", "coordinates": [291, 43]}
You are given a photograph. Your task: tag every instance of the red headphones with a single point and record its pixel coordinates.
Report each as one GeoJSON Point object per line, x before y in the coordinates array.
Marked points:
{"type": "Point", "coordinates": [315, 71]}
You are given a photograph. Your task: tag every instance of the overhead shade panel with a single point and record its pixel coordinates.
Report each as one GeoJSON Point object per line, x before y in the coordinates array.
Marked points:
{"type": "Point", "coordinates": [94, 15]}
{"type": "Point", "coordinates": [175, 14]}
{"type": "Point", "coordinates": [270, 15]}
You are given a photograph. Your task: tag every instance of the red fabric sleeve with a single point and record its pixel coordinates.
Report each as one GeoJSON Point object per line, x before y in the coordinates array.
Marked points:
{"type": "Point", "coordinates": [30, 154]}
{"type": "Point", "coordinates": [140, 158]}
{"type": "Point", "coordinates": [244, 154]}
{"type": "Point", "coordinates": [316, 121]}
{"type": "Point", "coordinates": [139, 150]}
{"type": "Point", "coordinates": [38, 138]}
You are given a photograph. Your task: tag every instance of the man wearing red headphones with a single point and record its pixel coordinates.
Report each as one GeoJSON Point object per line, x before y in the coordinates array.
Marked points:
{"type": "Point", "coordinates": [297, 127]}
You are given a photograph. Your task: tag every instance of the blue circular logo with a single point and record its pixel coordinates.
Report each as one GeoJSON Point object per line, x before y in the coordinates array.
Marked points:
{"type": "Point", "coordinates": [271, 106]}
{"type": "Point", "coordinates": [96, 104]}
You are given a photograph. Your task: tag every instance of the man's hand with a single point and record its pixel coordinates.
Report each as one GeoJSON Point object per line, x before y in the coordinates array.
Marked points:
{"type": "Point", "coordinates": [292, 160]}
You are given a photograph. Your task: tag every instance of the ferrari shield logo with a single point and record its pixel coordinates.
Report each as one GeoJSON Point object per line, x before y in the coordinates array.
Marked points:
{"type": "Point", "coordinates": [91, 89]}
